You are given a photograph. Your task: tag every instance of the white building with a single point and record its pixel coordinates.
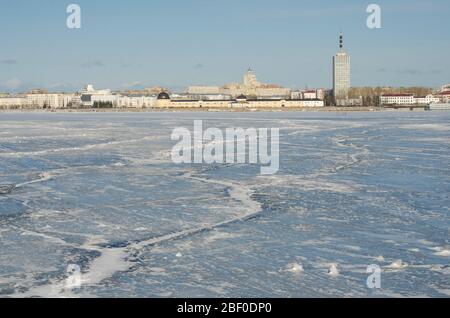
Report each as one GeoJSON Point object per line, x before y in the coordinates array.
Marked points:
{"type": "Point", "coordinates": [135, 101]}
{"type": "Point", "coordinates": [202, 97]}
{"type": "Point", "coordinates": [408, 99]}
{"type": "Point", "coordinates": [50, 100]}
{"type": "Point", "coordinates": [397, 99]}
{"type": "Point", "coordinates": [90, 96]}
{"type": "Point", "coordinates": [445, 88]}
{"type": "Point", "coordinates": [426, 100]}
{"type": "Point", "coordinates": [444, 97]}
{"type": "Point", "coordinates": [165, 101]}
{"type": "Point", "coordinates": [12, 102]}
{"type": "Point", "coordinates": [308, 94]}
{"type": "Point", "coordinates": [39, 101]}
{"type": "Point", "coordinates": [350, 102]}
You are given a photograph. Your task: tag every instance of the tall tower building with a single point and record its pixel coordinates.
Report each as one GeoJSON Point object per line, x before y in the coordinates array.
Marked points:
{"type": "Point", "coordinates": [250, 79]}
{"type": "Point", "coordinates": [341, 72]}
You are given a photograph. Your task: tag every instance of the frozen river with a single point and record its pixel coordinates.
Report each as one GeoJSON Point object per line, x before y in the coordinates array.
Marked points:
{"type": "Point", "coordinates": [100, 191]}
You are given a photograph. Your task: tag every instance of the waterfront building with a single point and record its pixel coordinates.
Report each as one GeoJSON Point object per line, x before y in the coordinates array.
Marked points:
{"type": "Point", "coordinates": [9, 102]}
{"type": "Point", "coordinates": [39, 100]}
{"type": "Point", "coordinates": [408, 99]}
{"type": "Point", "coordinates": [426, 100]}
{"type": "Point", "coordinates": [250, 86]}
{"type": "Point", "coordinates": [201, 97]}
{"type": "Point", "coordinates": [341, 73]}
{"type": "Point", "coordinates": [149, 91]}
{"type": "Point", "coordinates": [445, 88]}
{"type": "Point", "coordinates": [444, 97]}
{"type": "Point", "coordinates": [49, 100]}
{"type": "Point", "coordinates": [308, 94]}
{"type": "Point", "coordinates": [135, 101]}
{"type": "Point", "coordinates": [240, 102]}
{"type": "Point", "coordinates": [350, 102]}
{"type": "Point", "coordinates": [90, 96]}
{"type": "Point", "coordinates": [296, 94]}
{"type": "Point", "coordinates": [397, 99]}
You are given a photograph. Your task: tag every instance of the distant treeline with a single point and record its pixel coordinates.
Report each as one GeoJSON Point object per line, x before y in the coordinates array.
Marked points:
{"type": "Point", "coordinates": [103, 105]}
{"type": "Point", "coordinates": [371, 95]}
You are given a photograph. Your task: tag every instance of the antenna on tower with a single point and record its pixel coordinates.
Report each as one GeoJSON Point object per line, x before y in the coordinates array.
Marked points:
{"type": "Point", "coordinates": [341, 40]}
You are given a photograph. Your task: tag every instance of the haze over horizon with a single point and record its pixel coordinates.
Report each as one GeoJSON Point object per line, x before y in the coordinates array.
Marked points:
{"type": "Point", "coordinates": [176, 43]}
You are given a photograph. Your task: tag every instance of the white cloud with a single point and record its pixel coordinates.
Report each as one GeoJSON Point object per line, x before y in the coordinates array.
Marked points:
{"type": "Point", "coordinates": [132, 85]}
{"type": "Point", "coordinates": [12, 83]}
{"type": "Point", "coordinates": [9, 62]}
{"type": "Point", "coordinates": [91, 64]}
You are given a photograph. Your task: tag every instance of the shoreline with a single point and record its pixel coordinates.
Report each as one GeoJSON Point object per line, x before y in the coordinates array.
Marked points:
{"type": "Point", "coordinates": [212, 110]}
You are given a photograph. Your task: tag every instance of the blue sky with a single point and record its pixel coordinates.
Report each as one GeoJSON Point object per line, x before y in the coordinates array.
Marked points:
{"type": "Point", "coordinates": [175, 43]}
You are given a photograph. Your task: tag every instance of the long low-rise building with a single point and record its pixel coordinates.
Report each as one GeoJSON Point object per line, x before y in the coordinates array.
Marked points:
{"type": "Point", "coordinates": [135, 102]}
{"type": "Point", "coordinates": [43, 101]}
{"type": "Point", "coordinates": [426, 100]}
{"type": "Point", "coordinates": [91, 98]}
{"type": "Point", "coordinates": [408, 99]}
{"type": "Point", "coordinates": [444, 96]}
{"type": "Point", "coordinates": [397, 99]}
{"type": "Point", "coordinates": [51, 100]}
{"type": "Point", "coordinates": [105, 99]}
{"type": "Point", "coordinates": [13, 102]}
{"type": "Point", "coordinates": [308, 94]}
{"type": "Point", "coordinates": [241, 102]}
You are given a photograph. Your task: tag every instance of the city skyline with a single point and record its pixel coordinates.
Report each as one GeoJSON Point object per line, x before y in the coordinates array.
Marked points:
{"type": "Point", "coordinates": [153, 44]}
{"type": "Point", "coordinates": [224, 155]}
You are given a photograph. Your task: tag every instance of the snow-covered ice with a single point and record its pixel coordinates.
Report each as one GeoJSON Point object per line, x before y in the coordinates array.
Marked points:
{"type": "Point", "coordinates": [99, 191]}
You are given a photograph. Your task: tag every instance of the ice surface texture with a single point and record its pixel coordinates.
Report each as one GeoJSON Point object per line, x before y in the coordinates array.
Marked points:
{"type": "Point", "coordinates": [100, 191]}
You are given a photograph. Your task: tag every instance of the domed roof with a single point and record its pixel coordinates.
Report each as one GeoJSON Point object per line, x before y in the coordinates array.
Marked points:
{"type": "Point", "coordinates": [242, 96]}
{"type": "Point", "coordinates": [163, 95]}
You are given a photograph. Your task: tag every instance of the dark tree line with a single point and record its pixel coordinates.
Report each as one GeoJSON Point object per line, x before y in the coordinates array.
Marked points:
{"type": "Point", "coordinates": [103, 105]}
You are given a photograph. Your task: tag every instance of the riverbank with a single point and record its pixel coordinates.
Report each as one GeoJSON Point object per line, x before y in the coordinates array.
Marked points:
{"type": "Point", "coordinates": [238, 110]}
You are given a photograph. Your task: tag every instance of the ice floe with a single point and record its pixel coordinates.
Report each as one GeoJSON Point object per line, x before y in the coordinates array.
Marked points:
{"type": "Point", "coordinates": [333, 271]}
